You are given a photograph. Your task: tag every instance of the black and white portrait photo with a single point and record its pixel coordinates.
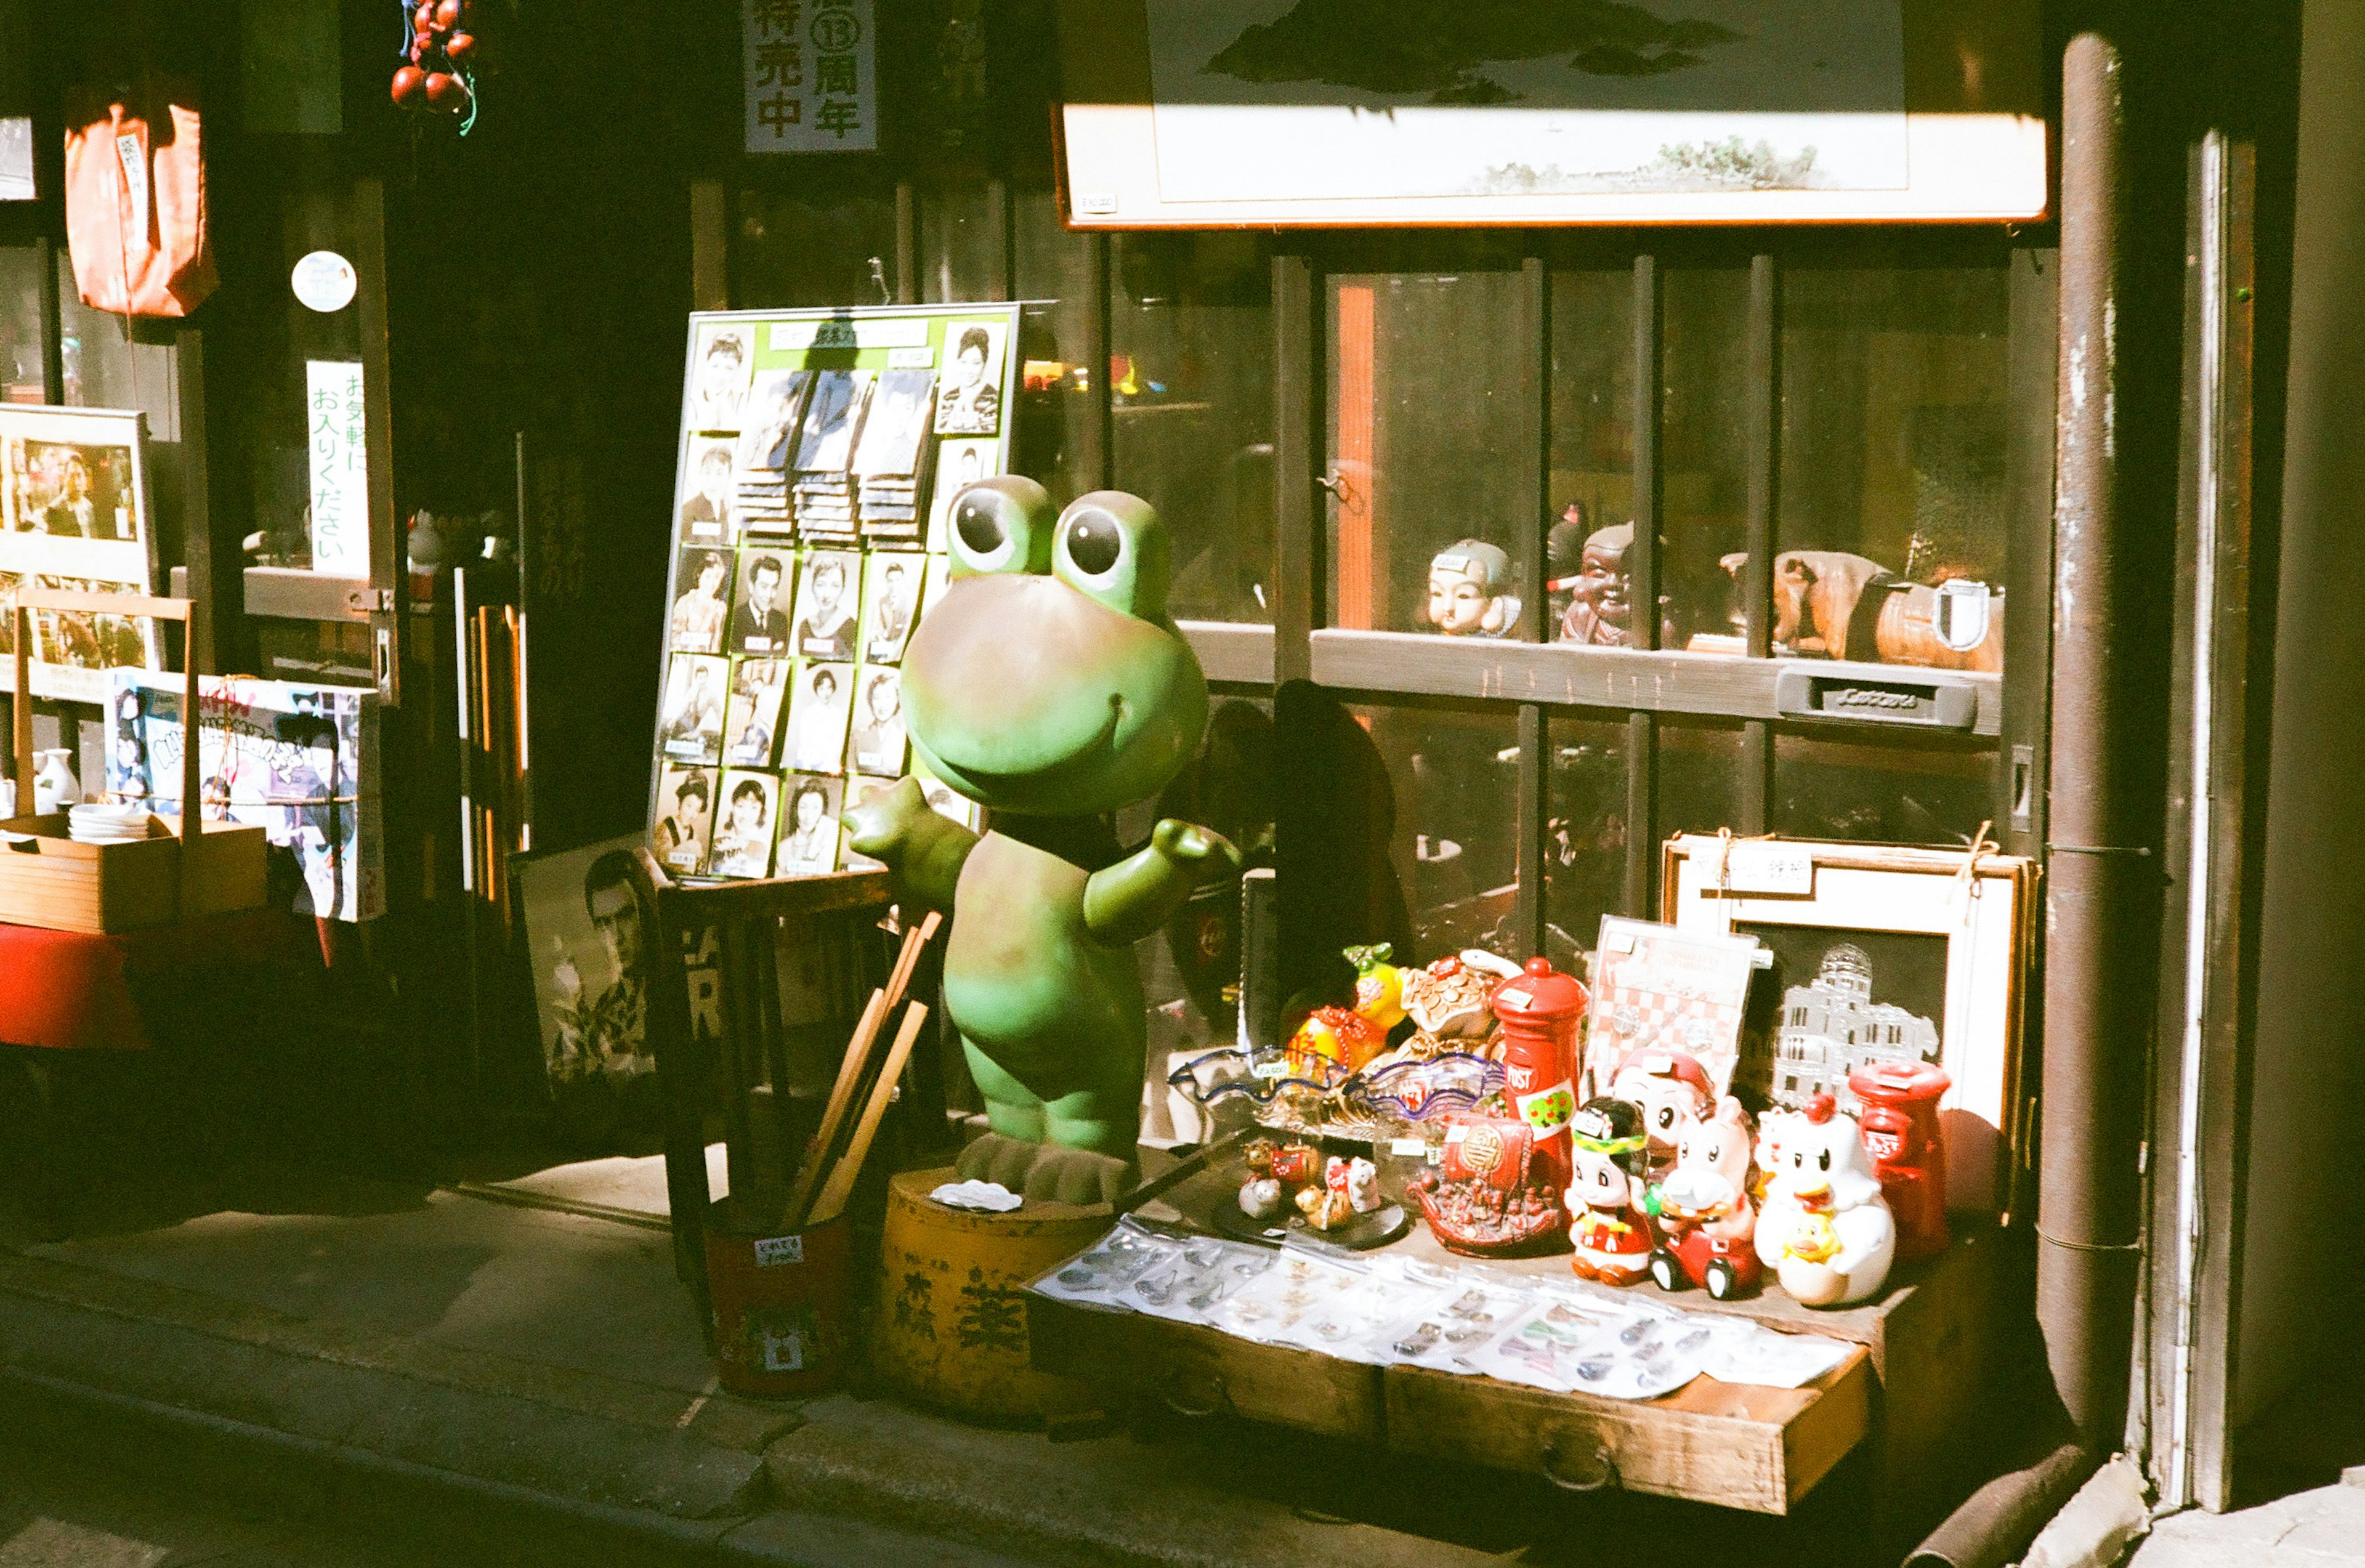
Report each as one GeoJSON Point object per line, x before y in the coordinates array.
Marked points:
{"type": "Point", "coordinates": [768, 437]}
{"type": "Point", "coordinates": [831, 421]}
{"type": "Point", "coordinates": [704, 582]}
{"type": "Point", "coordinates": [744, 826]}
{"type": "Point", "coordinates": [723, 364]}
{"type": "Point", "coordinates": [968, 401]}
{"type": "Point", "coordinates": [759, 626]}
{"type": "Point", "coordinates": [583, 927]}
{"type": "Point", "coordinates": [691, 725]}
{"type": "Point", "coordinates": [959, 464]}
{"type": "Point", "coordinates": [809, 827]}
{"type": "Point", "coordinates": [893, 587]}
{"type": "Point", "coordinates": [818, 714]}
{"type": "Point", "coordinates": [751, 721]}
{"type": "Point", "coordinates": [827, 601]}
{"type": "Point", "coordinates": [685, 812]}
{"type": "Point", "coordinates": [706, 511]}
{"type": "Point", "coordinates": [879, 742]}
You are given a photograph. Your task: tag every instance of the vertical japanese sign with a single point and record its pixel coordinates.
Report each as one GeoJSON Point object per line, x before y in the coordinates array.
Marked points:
{"type": "Point", "coordinates": [812, 76]}
{"type": "Point", "coordinates": [339, 449]}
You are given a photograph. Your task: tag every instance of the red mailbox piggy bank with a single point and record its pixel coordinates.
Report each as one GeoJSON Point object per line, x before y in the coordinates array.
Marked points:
{"type": "Point", "coordinates": [1901, 1132]}
{"type": "Point", "coordinates": [1539, 1009]}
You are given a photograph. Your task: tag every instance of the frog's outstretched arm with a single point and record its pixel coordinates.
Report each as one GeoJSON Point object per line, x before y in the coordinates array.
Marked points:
{"type": "Point", "coordinates": [1131, 899]}
{"type": "Point", "coordinates": [923, 850]}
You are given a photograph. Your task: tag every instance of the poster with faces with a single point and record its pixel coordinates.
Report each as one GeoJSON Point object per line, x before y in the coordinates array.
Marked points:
{"type": "Point", "coordinates": [744, 820]}
{"type": "Point", "coordinates": [751, 721]}
{"type": "Point", "coordinates": [809, 824]}
{"type": "Point", "coordinates": [829, 597]}
{"type": "Point", "coordinates": [759, 614]}
{"type": "Point", "coordinates": [879, 744]}
{"type": "Point", "coordinates": [690, 719]}
{"type": "Point", "coordinates": [819, 710]}
{"type": "Point", "coordinates": [685, 814]}
{"type": "Point", "coordinates": [891, 592]}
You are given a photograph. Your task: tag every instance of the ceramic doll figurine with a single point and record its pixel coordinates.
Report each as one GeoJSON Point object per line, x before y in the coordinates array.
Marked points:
{"type": "Point", "coordinates": [1470, 592]}
{"type": "Point", "coordinates": [1705, 1216]}
{"type": "Point", "coordinates": [1610, 1233]}
{"type": "Point", "coordinates": [1048, 684]}
{"type": "Point", "coordinates": [1825, 1231]}
{"type": "Point", "coordinates": [1600, 611]}
{"type": "Point", "coordinates": [1671, 1090]}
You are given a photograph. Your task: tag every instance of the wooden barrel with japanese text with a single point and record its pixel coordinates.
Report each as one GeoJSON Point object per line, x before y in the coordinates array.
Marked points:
{"type": "Point", "coordinates": [949, 1330]}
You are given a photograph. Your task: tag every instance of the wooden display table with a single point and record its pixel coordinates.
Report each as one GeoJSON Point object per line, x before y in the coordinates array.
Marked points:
{"type": "Point", "coordinates": [1909, 1391]}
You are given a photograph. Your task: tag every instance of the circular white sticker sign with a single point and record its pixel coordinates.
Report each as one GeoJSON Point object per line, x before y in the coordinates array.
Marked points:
{"type": "Point", "coordinates": [324, 281]}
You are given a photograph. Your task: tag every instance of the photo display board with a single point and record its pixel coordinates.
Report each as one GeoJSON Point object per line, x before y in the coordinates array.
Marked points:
{"type": "Point", "coordinates": [73, 515]}
{"type": "Point", "coordinates": [819, 452]}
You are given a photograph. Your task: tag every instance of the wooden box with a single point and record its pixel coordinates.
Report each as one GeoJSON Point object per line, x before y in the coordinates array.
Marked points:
{"type": "Point", "coordinates": [48, 879]}
{"type": "Point", "coordinates": [1196, 1371]}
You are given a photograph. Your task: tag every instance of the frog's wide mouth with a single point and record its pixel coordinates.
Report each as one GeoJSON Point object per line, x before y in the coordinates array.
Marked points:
{"type": "Point", "coordinates": [1016, 785]}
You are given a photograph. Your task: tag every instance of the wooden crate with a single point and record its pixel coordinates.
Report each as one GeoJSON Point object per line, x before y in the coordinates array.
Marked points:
{"type": "Point", "coordinates": [48, 879]}
{"type": "Point", "coordinates": [1196, 1371]}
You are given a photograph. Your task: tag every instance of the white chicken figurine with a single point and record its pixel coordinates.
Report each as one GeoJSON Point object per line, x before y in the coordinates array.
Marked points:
{"type": "Point", "coordinates": [1824, 1228]}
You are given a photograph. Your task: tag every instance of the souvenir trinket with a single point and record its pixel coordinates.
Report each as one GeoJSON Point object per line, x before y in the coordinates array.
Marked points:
{"type": "Point", "coordinates": [1706, 1222]}
{"type": "Point", "coordinates": [1448, 999]}
{"type": "Point", "coordinates": [1671, 1090]}
{"type": "Point", "coordinates": [1825, 1231]}
{"type": "Point", "coordinates": [1334, 1039]}
{"type": "Point", "coordinates": [1908, 1152]}
{"type": "Point", "coordinates": [1260, 1197]}
{"type": "Point", "coordinates": [1610, 1233]}
{"type": "Point", "coordinates": [1469, 592]}
{"type": "Point", "coordinates": [1379, 986]}
{"type": "Point", "coordinates": [1485, 1199]}
{"type": "Point", "coordinates": [1539, 1009]}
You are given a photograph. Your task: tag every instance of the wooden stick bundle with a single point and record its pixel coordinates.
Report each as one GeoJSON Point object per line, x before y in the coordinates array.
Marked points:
{"type": "Point", "coordinates": [856, 1067]}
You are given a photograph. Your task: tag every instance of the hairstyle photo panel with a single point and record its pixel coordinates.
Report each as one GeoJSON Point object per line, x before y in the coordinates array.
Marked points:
{"type": "Point", "coordinates": [879, 737]}
{"type": "Point", "coordinates": [891, 592]}
{"type": "Point", "coordinates": [767, 436]}
{"type": "Point", "coordinates": [808, 821]}
{"type": "Point", "coordinates": [703, 599]}
{"type": "Point", "coordinates": [858, 791]}
{"type": "Point", "coordinates": [685, 813]}
{"type": "Point", "coordinates": [818, 714]}
{"type": "Point", "coordinates": [582, 926]}
{"type": "Point", "coordinates": [829, 598]}
{"type": "Point", "coordinates": [725, 360]}
{"type": "Point", "coordinates": [744, 821]}
{"type": "Point", "coordinates": [751, 721]}
{"type": "Point", "coordinates": [690, 723]}
{"type": "Point", "coordinates": [959, 464]}
{"type": "Point", "coordinates": [704, 506]}
{"type": "Point", "coordinates": [760, 617]}
{"type": "Point", "coordinates": [968, 401]}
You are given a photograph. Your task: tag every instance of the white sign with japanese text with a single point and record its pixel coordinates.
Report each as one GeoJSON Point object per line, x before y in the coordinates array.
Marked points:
{"type": "Point", "coordinates": [339, 449]}
{"type": "Point", "coordinates": [811, 77]}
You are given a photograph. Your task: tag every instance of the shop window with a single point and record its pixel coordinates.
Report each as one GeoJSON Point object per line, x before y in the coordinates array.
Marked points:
{"type": "Point", "coordinates": [1592, 487]}
{"type": "Point", "coordinates": [1059, 441]}
{"type": "Point", "coordinates": [1699, 777]}
{"type": "Point", "coordinates": [1891, 523]}
{"type": "Point", "coordinates": [103, 368]}
{"type": "Point", "coordinates": [20, 326]}
{"type": "Point", "coordinates": [1454, 852]}
{"type": "Point", "coordinates": [1432, 517]}
{"type": "Point", "coordinates": [1887, 794]}
{"type": "Point", "coordinates": [794, 252]}
{"type": "Point", "coordinates": [1190, 392]}
{"type": "Point", "coordinates": [963, 245]}
{"type": "Point", "coordinates": [1585, 826]}
{"type": "Point", "coordinates": [1703, 457]}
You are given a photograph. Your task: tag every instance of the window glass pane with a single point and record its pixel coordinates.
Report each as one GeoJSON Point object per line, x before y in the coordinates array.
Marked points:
{"type": "Point", "coordinates": [1894, 383]}
{"type": "Point", "coordinates": [1585, 836]}
{"type": "Point", "coordinates": [1592, 456]}
{"type": "Point", "coordinates": [1888, 794]}
{"type": "Point", "coordinates": [818, 249]}
{"type": "Point", "coordinates": [1056, 437]}
{"type": "Point", "coordinates": [20, 326]}
{"type": "Point", "coordinates": [1191, 355]}
{"type": "Point", "coordinates": [1699, 783]}
{"type": "Point", "coordinates": [1703, 453]}
{"type": "Point", "coordinates": [1425, 448]}
{"type": "Point", "coordinates": [962, 256]}
{"type": "Point", "coordinates": [1455, 850]}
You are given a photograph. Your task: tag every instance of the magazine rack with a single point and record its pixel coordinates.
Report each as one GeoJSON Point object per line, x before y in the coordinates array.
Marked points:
{"type": "Point", "coordinates": [48, 879]}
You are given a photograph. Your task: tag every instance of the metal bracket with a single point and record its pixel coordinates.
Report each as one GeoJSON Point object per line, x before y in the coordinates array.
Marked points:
{"type": "Point", "coordinates": [1915, 699]}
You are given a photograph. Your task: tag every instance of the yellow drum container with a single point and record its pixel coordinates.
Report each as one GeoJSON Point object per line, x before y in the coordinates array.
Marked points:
{"type": "Point", "coordinates": [950, 1329]}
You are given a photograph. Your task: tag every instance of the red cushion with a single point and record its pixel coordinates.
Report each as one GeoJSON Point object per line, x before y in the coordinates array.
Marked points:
{"type": "Point", "coordinates": [66, 990]}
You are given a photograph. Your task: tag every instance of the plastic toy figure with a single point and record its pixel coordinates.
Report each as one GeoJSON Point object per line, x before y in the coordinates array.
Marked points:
{"type": "Point", "coordinates": [1610, 1233]}
{"type": "Point", "coordinates": [1704, 1210]}
{"type": "Point", "coordinates": [1601, 607]}
{"type": "Point", "coordinates": [1671, 1090]}
{"type": "Point", "coordinates": [1825, 1231]}
{"type": "Point", "coordinates": [1047, 682]}
{"type": "Point", "coordinates": [1902, 1134]}
{"type": "Point", "coordinates": [1469, 592]}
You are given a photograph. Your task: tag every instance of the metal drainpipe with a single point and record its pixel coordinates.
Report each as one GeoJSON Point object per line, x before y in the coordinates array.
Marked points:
{"type": "Point", "coordinates": [2097, 887]}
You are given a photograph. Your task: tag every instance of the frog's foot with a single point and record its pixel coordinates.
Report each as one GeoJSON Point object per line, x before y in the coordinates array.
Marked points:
{"type": "Point", "coordinates": [1045, 1172]}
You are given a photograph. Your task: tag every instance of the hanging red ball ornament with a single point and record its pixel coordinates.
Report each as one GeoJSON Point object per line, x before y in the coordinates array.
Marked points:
{"type": "Point", "coordinates": [410, 86]}
{"type": "Point", "coordinates": [460, 46]}
{"type": "Point", "coordinates": [445, 91]}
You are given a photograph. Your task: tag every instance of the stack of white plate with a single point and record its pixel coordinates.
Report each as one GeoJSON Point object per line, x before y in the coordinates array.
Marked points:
{"type": "Point", "coordinates": [107, 824]}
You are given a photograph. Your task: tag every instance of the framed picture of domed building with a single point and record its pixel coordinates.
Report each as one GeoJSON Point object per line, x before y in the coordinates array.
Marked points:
{"type": "Point", "coordinates": [1881, 954]}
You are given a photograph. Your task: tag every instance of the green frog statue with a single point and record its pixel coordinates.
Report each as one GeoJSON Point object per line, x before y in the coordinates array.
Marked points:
{"type": "Point", "coordinates": [1047, 682]}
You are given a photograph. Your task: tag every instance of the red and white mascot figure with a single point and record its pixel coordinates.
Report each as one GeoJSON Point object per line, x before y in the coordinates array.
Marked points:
{"type": "Point", "coordinates": [1824, 1229]}
{"type": "Point", "coordinates": [1704, 1209]}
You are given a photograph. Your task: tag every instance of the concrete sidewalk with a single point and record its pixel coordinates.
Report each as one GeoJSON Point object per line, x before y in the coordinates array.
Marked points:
{"type": "Point", "coordinates": [2324, 1528]}
{"type": "Point", "coordinates": [352, 1347]}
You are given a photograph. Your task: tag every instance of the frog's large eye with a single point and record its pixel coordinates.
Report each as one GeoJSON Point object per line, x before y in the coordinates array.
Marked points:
{"type": "Point", "coordinates": [1112, 547]}
{"type": "Point", "coordinates": [1002, 524]}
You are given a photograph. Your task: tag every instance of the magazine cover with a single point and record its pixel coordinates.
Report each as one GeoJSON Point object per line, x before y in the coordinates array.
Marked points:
{"type": "Point", "coordinates": [300, 762]}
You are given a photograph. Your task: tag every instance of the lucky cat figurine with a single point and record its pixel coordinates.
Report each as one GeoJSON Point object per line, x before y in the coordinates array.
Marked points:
{"type": "Point", "coordinates": [1824, 1229]}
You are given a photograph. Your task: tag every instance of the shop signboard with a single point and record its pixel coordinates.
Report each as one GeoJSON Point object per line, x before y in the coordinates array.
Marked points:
{"type": "Point", "coordinates": [819, 452]}
{"type": "Point", "coordinates": [811, 75]}
{"type": "Point", "coordinates": [337, 453]}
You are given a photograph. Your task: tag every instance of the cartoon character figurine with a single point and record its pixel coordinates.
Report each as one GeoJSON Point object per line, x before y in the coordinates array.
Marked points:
{"type": "Point", "coordinates": [1671, 1090]}
{"type": "Point", "coordinates": [1610, 1233]}
{"type": "Point", "coordinates": [1469, 592]}
{"type": "Point", "coordinates": [1047, 682]}
{"type": "Point", "coordinates": [1349, 1188]}
{"type": "Point", "coordinates": [1825, 1231]}
{"type": "Point", "coordinates": [1705, 1216]}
